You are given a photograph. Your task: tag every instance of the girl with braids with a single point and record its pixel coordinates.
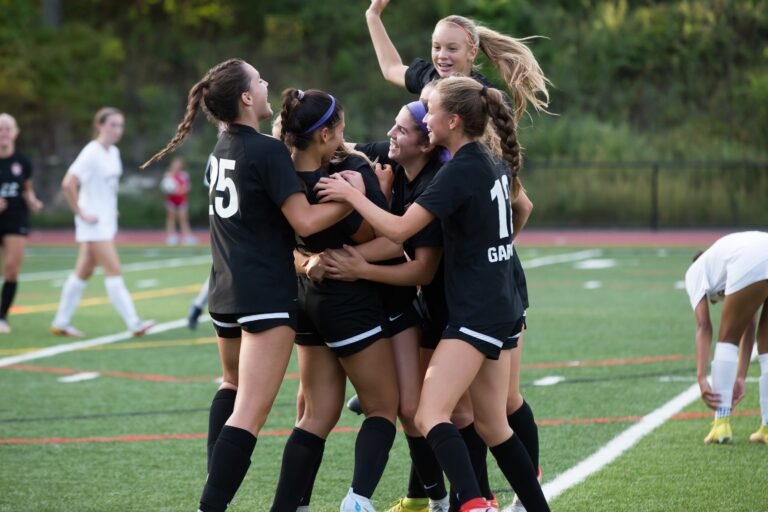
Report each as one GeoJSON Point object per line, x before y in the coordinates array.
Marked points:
{"type": "Point", "coordinates": [341, 324]}
{"type": "Point", "coordinates": [90, 188]}
{"type": "Point", "coordinates": [255, 204]}
{"type": "Point", "coordinates": [470, 195]}
{"type": "Point", "coordinates": [17, 199]}
{"type": "Point", "coordinates": [414, 162]}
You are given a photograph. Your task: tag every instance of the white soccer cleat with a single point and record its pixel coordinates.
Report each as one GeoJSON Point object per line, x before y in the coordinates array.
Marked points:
{"type": "Point", "coordinates": [442, 505]}
{"type": "Point", "coordinates": [68, 331]}
{"type": "Point", "coordinates": [4, 327]}
{"type": "Point", "coordinates": [142, 328]}
{"type": "Point", "coordinates": [355, 503]}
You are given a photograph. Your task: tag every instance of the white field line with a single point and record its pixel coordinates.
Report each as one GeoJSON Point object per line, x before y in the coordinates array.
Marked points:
{"type": "Point", "coordinates": [128, 267]}
{"type": "Point", "coordinates": [102, 340]}
{"type": "Point", "coordinates": [561, 258]}
{"type": "Point", "coordinates": [619, 444]}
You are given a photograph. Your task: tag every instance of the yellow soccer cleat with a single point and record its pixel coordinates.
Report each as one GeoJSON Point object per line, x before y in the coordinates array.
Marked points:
{"type": "Point", "coordinates": [721, 432]}
{"type": "Point", "coordinates": [410, 505]}
{"type": "Point", "coordinates": [761, 436]}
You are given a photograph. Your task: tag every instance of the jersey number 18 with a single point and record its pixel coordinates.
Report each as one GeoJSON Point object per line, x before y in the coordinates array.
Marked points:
{"type": "Point", "coordinates": [220, 183]}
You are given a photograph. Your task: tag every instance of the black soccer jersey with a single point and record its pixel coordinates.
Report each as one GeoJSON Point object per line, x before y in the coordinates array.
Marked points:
{"type": "Point", "coordinates": [340, 233]}
{"type": "Point", "coordinates": [420, 73]}
{"type": "Point", "coordinates": [470, 195]}
{"type": "Point", "coordinates": [251, 176]}
{"type": "Point", "coordinates": [15, 170]}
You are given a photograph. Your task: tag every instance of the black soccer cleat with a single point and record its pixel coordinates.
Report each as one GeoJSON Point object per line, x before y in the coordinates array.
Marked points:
{"type": "Point", "coordinates": [194, 315]}
{"type": "Point", "coordinates": [353, 404]}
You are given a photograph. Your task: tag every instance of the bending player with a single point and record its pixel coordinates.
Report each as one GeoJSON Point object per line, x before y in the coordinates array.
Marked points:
{"type": "Point", "coordinates": [733, 270]}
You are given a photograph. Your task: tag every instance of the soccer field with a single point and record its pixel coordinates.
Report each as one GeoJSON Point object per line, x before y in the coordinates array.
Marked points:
{"type": "Point", "coordinates": [121, 425]}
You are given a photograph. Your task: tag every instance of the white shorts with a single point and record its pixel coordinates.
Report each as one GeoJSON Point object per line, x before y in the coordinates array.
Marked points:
{"type": "Point", "coordinates": [738, 279]}
{"type": "Point", "coordinates": [103, 231]}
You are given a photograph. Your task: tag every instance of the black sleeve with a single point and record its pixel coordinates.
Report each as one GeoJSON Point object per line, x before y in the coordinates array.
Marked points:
{"type": "Point", "coordinates": [419, 74]}
{"type": "Point", "coordinates": [376, 151]}
{"type": "Point", "coordinates": [278, 175]}
{"type": "Point", "coordinates": [448, 191]}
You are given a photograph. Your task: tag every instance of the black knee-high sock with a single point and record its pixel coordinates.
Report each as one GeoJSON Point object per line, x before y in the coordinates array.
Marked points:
{"type": "Point", "coordinates": [8, 293]}
{"type": "Point", "coordinates": [307, 497]}
{"type": "Point", "coordinates": [524, 425]}
{"type": "Point", "coordinates": [302, 452]}
{"type": "Point", "coordinates": [452, 454]}
{"type": "Point", "coordinates": [427, 469]}
{"type": "Point", "coordinates": [516, 465]}
{"type": "Point", "coordinates": [371, 454]}
{"type": "Point", "coordinates": [415, 486]}
{"type": "Point", "coordinates": [229, 464]}
{"type": "Point", "coordinates": [221, 409]}
{"type": "Point", "coordinates": [477, 454]}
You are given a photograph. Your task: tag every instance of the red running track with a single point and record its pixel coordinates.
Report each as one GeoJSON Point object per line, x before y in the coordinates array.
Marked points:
{"type": "Point", "coordinates": [591, 238]}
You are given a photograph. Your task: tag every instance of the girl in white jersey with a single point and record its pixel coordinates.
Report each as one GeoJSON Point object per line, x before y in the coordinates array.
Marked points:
{"type": "Point", "coordinates": [735, 270]}
{"type": "Point", "coordinates": [90, 187]}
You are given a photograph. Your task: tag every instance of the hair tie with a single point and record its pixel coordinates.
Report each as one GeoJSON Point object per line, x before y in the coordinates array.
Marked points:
{"type": "Point", "coordinates": [484, 91]}
{"type": "Point", "coordinates": [323, 119]}
{"type": "Point", "coordinates": [299, 94]}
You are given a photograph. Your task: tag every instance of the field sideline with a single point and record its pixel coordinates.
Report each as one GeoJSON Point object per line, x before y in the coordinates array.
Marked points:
{"type": "Point", "coordinates": [119, 424]}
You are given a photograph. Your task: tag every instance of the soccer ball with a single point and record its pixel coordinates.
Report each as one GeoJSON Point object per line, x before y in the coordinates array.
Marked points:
{"type": "Point", "coordinates": [169, 185]}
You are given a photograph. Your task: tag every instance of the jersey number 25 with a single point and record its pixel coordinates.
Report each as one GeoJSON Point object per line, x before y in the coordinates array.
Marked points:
{"type": "Point", "coordinates": [220, 183]}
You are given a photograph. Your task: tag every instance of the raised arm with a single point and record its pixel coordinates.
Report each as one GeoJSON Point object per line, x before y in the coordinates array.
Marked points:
{"type": "Point", "coordinates": [391, 64]}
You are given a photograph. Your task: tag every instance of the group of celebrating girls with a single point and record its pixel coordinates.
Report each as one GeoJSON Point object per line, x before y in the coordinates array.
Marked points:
{"type": "Point", "coordinates": [324, 244]}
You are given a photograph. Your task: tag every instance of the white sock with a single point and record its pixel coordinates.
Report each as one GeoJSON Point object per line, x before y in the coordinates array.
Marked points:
{"type": "Point", "coordinates": [763, 358]}
{"type": "Point", "coordinates": [121, 300]}
{"type": "Point", "coordinates": [202, 298]}
{"type": "Point", "coordinates": [724, 367]}
{"type": "Point", "coordinates": [70, 298]}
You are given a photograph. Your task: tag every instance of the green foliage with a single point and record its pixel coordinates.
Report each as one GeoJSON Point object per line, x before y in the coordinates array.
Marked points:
{"type": "Point", "coordinates": [631, 81]}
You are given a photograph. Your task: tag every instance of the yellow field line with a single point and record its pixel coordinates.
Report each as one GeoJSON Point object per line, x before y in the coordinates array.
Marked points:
{"type": "Point", "coordinates": [125, 346]}
{"type": "Point", "coordinates": [98, 301]}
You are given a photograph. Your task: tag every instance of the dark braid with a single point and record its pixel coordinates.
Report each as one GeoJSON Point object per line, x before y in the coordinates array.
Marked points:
{"type": "Point", "coordinates": [217, 94]}
{"type": "Point", "coordinates": [504, 122]}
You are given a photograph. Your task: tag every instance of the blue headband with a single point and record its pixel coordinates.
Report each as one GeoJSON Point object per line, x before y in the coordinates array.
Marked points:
{"type": "Point", "coordinates": [323, 119]}
{"type": "Point", "coordinates": [418, 111]}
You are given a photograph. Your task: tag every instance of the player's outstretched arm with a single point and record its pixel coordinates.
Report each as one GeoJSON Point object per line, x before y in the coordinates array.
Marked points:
{"type": "Point", "coordinates": [391, 64]}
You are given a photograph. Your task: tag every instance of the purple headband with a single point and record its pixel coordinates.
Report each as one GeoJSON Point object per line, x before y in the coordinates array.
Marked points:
{"type": "Point", "coordinates": [418, 111]}
{"type": "Point", "coordinates": [323, 119]}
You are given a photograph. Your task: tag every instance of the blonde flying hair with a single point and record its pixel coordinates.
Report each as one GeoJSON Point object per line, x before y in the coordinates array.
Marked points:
{"type": "Point", "coordinates": [475, 104]}
{"type": "Point", "coordinates": [515, 61]}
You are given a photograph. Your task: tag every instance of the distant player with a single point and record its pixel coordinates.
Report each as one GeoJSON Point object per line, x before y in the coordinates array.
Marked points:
{"type": "Point", "coordinates": [175, 185]}
{"type": "Point", "coordinates": [733, 270]}
{"type": "Point", "coordinates": [255, 204]}
{"type": "Point", "coordinates": [17, 199]}
{"type": "Point", "coordinates": [90, 187]}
